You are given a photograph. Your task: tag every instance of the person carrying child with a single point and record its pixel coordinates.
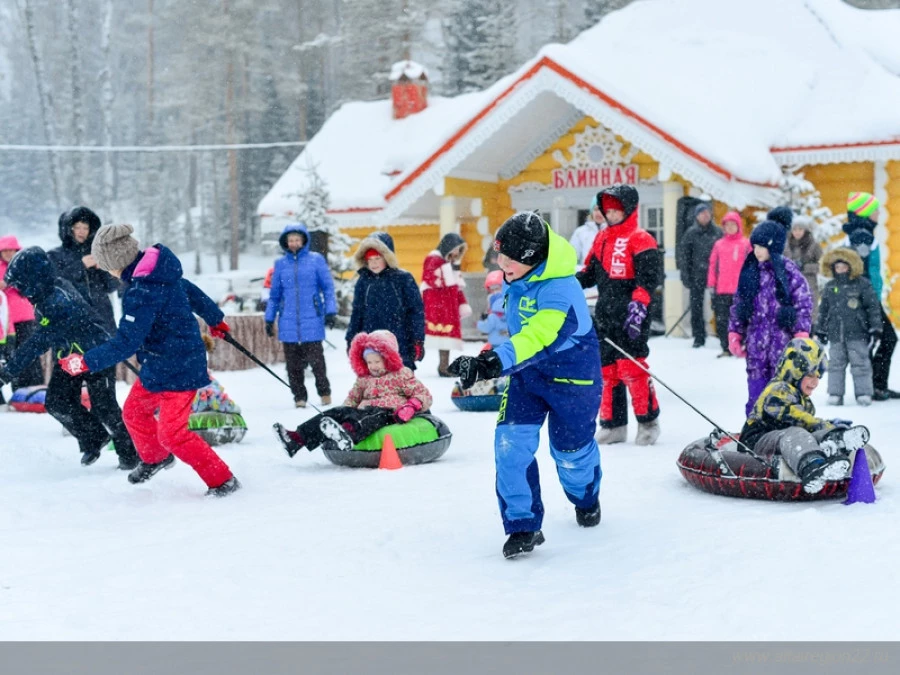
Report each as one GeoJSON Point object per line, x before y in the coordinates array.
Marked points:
{"type": "Point", "coordinates": [783, 421]}
{"type": "Point", "coordinates": [850, 321]}
{"type": "Point", "coordinates": [385, 392]}
{"type": "Point", "coordinates": [158, 324]}
{"type": "Point", "coordinates": [69, 324]}
{"type": "Point", "coordinates": [553, 361]}
{"type": "Point", "coordinates": [772, 304]}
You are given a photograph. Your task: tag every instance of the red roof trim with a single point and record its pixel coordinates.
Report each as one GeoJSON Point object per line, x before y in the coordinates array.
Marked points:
{"type": "Point", "coordinates": [463, 131]}
{"type": "Point", "coordinates": [546, 62]}
{"type": "Point", "coordinates": [836, 146]}
{"type": "Point", "coordinates": [356, 209]}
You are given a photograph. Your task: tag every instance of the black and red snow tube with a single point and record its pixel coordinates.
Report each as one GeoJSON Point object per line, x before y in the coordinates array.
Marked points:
{"type": "Point", "coordinates": [714, 464]}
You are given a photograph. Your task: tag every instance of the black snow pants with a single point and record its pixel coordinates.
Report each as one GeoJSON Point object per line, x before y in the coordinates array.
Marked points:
{"type": "Point", "coordinates": [91, 428]}
{"type": "Point", "coordinates": [359, 423]}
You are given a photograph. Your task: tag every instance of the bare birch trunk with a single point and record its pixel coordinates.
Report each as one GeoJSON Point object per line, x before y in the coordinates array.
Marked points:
{"type": "Point", "coordinates": [77, 175]}
{"type": "Point", "coordinates": [107, 98]}
{"type": "Point", "coordinates": [49, 135]}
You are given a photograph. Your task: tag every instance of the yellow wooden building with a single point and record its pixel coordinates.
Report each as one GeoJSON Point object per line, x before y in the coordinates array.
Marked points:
{"type": "Point", "coordinates": [600, 110]}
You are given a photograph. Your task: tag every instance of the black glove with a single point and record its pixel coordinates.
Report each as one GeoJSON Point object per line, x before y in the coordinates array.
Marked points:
{"type": "Point", "coordinates": [331, 321]}
{"type": "Point", "coordinates": [270, 328]}
{"type": "Point", "coordinates": [874, 340]}
{"type": "Point", "coordinates": [470, 369]}
{"type": "Point", "coordinates": [822, 337]}
{"type": "Point", "coordinates": [5, 377]}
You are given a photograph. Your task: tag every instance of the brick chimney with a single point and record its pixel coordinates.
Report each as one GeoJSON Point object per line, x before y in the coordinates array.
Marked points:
{"type": "Point", "coordinates": [409, 88]}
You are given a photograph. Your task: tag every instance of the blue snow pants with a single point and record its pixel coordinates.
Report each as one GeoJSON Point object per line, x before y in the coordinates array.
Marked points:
{"type": "Point", "coordinates": [532, 396]}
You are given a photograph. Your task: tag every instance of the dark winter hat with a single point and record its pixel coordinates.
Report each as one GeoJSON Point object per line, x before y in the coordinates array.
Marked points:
{"type": "Point", "coordinates": [31, 272]}
{"type": "Point", "coordinates": [701, 207]}
{"type": "Point", "coordinates": [114, 248]}
{"type": "Point", "coordinates": [782, 215]}
{"type": "Point", "coordinates": [524, 238]}
{"type": "Point", "coordinates": [449, 243]}
{"type": "Point", "coordinates": [771, 235]}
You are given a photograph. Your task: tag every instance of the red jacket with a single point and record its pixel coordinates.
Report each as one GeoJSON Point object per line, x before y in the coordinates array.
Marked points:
{"type": "Point", "coordinates": [624, 265]}
{"type": "Point", "coordinates": [442, 293]}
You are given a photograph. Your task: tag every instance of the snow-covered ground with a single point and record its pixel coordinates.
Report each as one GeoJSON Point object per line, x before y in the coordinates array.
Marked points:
{"type": "Point", "coordinates": [310, 551]}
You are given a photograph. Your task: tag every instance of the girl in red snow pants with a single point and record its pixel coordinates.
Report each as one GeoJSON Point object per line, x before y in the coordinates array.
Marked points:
{"type": "Point", "coordinates": [155, 440]}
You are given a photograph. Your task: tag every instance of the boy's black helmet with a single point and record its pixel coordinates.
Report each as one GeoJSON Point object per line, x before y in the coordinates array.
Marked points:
{"type": "Point", "coordinates": [525, 238]}
{"type": "Point", "coordinates": [31, 273]}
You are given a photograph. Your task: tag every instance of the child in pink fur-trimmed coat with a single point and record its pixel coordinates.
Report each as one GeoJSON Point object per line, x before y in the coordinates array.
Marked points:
{"type": "Point", "coordinates": [385, 392]}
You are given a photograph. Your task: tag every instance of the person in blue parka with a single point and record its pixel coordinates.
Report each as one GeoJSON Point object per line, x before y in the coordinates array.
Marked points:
{"type": "Point", "coordinates": [67, 323]}
{"type": "Point", "coordinates": [553, 362]}
{"type": "Point", "coordinates": [302, 297]}
{"type": "Point", "coordinates": [387, 298]}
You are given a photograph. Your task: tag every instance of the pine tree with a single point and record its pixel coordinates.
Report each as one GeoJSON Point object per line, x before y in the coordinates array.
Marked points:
{"type": "Point", "coordinates": [313, 212]}
{"type": "Point", "coordinates": [806, 202]}
{"type": "Point", "coordinates": [480, 36]}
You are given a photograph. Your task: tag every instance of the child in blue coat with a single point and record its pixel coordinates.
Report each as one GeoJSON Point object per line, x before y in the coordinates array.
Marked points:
{"type": "Point", "coordinates": [493, 322]}
{"type": "Point", "coordinates": [158, 324]}
{"type": "Point", "coordinates": [553, 362]}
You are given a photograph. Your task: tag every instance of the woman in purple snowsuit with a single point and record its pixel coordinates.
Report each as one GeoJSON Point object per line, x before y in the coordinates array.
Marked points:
{"type": "Point", "coordinates": [773, 304]}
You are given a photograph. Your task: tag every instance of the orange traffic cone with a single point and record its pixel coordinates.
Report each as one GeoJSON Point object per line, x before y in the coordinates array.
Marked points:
{"type": "Point", "coordinates": [389, 457]}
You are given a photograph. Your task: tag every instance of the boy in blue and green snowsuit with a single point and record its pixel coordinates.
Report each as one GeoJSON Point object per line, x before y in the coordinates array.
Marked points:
{"type": "Point", "coordinates": [552, 358]}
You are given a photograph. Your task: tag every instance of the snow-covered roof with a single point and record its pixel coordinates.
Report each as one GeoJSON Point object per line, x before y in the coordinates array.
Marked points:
{"type": "Point", "coordinates": [709, 88]}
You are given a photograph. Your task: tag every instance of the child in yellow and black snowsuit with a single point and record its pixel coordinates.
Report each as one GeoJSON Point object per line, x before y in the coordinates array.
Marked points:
{"type": "Point", "coordinates": [783, 420]}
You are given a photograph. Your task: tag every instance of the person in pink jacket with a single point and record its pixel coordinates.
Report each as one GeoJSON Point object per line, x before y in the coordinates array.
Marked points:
{"type": "Point", "coordinates": [20, 320]}
{"type": "Point", "coordinates": [385, 392]}
{"type": "Point", "coordinates": [725, 263]}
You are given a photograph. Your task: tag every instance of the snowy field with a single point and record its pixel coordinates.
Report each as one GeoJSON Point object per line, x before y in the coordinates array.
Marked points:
{"type": "Point", "coordinates": [311, 551]}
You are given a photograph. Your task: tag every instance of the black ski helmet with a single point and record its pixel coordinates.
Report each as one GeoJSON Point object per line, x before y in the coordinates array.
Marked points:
{"type": "Point", "coordinates": [525, 238]}
{"type": "Point", "coordinates": [31, 273]}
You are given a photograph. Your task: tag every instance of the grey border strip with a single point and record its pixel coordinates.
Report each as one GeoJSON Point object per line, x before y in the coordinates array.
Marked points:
{"type": "Point", "coordinates": [261, 658]}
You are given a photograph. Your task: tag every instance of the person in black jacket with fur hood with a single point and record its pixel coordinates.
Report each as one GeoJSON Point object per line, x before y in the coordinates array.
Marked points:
{"type": "Point", "coordinates": [74, 262]}
{"type": "Point", "coordinates": [68, 324]}
{"type": "Point", "coordinates": [387, 298]}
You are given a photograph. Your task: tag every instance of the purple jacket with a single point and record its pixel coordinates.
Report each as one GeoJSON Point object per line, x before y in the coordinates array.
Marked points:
{"type": "Point", "coordinates": [763, 338]}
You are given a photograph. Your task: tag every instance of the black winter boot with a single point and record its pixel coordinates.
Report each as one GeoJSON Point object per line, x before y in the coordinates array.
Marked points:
{"type": "Point", "coordinates": [290, 440]}
{"type": "Point", "coordinates": [225, 489]}
{"type": "Point", "coordinates": [129, 461]}
{"type": "Point", "coordinates": [588, 517]}
{"type": "Point", "coordinates": [522, 542]}
{"type": "Point", "coordinates": [90, 456]}
{"type": "Point", "coordinates": [145, 472]}
{"type": "Point", "coordinates": [815, 469]}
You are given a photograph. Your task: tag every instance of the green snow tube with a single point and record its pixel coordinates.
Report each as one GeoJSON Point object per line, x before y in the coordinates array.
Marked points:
{"type": "Point", "coordinates": [217, 428]}
{"type": "Point", "coordinates": [421, 440]}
